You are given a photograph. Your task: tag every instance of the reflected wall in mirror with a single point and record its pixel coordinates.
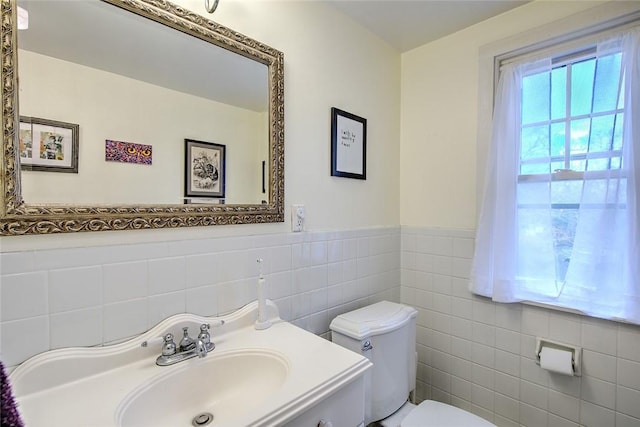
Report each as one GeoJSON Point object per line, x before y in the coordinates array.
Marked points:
{"type": "Point", "coordinates": [148, 73]}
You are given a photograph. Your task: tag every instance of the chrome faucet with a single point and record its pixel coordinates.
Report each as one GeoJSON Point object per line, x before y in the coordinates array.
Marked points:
{"type": "Point", "coordinates": [187, 348]}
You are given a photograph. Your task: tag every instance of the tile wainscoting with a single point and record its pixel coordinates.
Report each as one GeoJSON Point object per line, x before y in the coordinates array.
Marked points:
{"type": "Point", "coordinates": [479, 355]}
{"type": "Point", "coordinates": [98, 295]}
{"type": "Point", "coordinates": [473, 353]}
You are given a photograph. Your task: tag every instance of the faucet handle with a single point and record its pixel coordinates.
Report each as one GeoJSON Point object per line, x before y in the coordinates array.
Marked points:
{"type": "Point", "coordinates": [169, 347]}
{"type": "Point", "coordinates": [204, 335]}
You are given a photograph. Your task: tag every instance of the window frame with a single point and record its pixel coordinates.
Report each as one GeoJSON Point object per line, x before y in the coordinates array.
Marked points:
{"type": "Point", "coordinates": [586, 52]}
{"type": "Point", "coordinates": [566, 173]}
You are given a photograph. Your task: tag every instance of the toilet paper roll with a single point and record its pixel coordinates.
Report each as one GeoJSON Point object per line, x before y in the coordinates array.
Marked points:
{"type": "Point", "coordinates": [556, 360]}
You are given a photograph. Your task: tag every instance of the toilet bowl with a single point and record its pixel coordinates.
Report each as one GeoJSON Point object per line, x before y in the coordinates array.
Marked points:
{"type": "Point", "coordinates": [385, 333]}
{"type": "Point", "coordinates": [433, 413]}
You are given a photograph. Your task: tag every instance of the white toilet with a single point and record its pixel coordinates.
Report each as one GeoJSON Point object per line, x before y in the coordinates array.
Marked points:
{"type": "Point", "coordinates": [385, 333]}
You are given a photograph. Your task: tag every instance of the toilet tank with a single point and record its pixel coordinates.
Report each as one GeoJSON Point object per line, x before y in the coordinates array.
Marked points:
{"type": "Point", "coordinates": [385, 333]}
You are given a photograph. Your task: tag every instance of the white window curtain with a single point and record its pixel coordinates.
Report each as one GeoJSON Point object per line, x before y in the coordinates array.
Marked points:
{"type": "Point", "coordinates": [514, 261]}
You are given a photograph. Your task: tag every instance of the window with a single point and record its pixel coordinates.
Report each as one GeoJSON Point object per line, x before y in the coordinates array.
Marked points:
{"type": "Point", "coordinates": [559, 222]}
{"type": "Point", "coordinates": [572, 116]}
{"type": "Point", "coordinates": [571, 132]}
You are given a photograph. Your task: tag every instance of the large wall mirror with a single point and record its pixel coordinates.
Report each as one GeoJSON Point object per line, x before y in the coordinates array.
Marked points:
{"type": "Point", "coordinates": [130, 114]}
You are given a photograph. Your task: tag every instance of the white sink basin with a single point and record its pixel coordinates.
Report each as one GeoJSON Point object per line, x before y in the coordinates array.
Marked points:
{"type": "Point", "coordinates": [223, 385]}
{"type": "Point", "coordinates": [253, 378]}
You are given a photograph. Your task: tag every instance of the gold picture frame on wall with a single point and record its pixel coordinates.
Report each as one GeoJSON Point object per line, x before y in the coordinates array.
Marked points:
{"type": "Point", "coordinates": [20, 218]}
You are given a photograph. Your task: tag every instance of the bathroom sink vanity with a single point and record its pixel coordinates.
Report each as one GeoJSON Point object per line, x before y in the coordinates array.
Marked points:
{"type": "Point", "coordinates": [280, 376]}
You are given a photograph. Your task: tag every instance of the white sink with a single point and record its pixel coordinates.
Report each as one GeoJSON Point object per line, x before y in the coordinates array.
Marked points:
{"type": "Point", "coordinates": [220, 386]}
{"type": "Point", "coordinates": [253, 378]}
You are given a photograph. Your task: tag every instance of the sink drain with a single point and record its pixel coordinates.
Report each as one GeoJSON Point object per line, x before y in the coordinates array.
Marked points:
{"type": "Point", "coordinates": [202, 419]}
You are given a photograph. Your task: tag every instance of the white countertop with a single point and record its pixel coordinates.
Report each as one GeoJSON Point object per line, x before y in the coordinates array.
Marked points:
{"type": "Point", "coordinates": [86, 386]}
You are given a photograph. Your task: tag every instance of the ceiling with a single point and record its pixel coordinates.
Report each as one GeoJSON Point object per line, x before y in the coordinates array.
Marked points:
{"type": "Point", "coordinates": [407, 24]}
{"type": "Point", "coordinates": [404, 24]}
{"type": "Point", "coordinates": [82, 32]}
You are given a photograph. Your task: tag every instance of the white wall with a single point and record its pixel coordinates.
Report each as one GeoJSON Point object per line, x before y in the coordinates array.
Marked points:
{"type": "Point", "coordinates": [473, 353]}
{"type": "Point", "coordinates": [440, 89]}
{"type": "Point", "coordinates": [479, 355]}
{"type": "Point", "coordinates": [116, 280]}
{"type": "Point", "coordinates": [53, 298]}
{"type": "Point", "coordinates": [329, 61]}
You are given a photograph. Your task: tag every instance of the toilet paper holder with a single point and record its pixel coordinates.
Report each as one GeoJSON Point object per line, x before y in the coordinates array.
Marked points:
{"type": "Point", "coordinates": [576, 353]}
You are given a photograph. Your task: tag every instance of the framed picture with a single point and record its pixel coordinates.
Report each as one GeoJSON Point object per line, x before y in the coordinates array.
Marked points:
{"type": "Point", "coordinates": [348, 145]}
{"type": "Point", "coordinates": [204, 169]}
{"type": "Point", "coordinates": [128, 152]}
{"type": "Point", "coordinates": [203, 201]}
{"type": "Point", "coordinates": [48, 145]}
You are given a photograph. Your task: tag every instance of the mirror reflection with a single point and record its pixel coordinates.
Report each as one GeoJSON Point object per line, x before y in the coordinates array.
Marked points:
{"type": "Point", "coordinates": [136, 92]}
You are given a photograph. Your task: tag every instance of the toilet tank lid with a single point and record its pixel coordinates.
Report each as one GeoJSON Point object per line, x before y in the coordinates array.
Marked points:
{"type": "Point", "coordinates": [374, 319]}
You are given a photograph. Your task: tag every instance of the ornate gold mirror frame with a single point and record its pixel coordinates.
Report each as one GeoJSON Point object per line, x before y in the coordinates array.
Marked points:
{"type": "Point", "coordinates": [18, 218]}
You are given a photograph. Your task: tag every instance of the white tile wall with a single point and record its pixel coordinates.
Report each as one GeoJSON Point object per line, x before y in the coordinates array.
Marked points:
{"type": "Point", "coordinates": [487, 366]}
{"type": "Point", "coordinates": [473, 353]}
{"type": "Point", "coordinates": [97, 295]}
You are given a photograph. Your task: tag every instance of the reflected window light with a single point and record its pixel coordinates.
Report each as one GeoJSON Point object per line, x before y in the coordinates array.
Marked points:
{"type": "Point", "coordinates": [23, 19]}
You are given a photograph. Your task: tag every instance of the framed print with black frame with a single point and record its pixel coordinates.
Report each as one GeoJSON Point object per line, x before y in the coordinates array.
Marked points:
{"type": "Point", "coordinates": [348, 145]}
{"type": "Point", "coordinates": [205, 164]}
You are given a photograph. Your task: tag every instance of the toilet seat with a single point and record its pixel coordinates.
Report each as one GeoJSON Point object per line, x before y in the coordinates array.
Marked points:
{"type": "Point", "coordinates": [432, 413]}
